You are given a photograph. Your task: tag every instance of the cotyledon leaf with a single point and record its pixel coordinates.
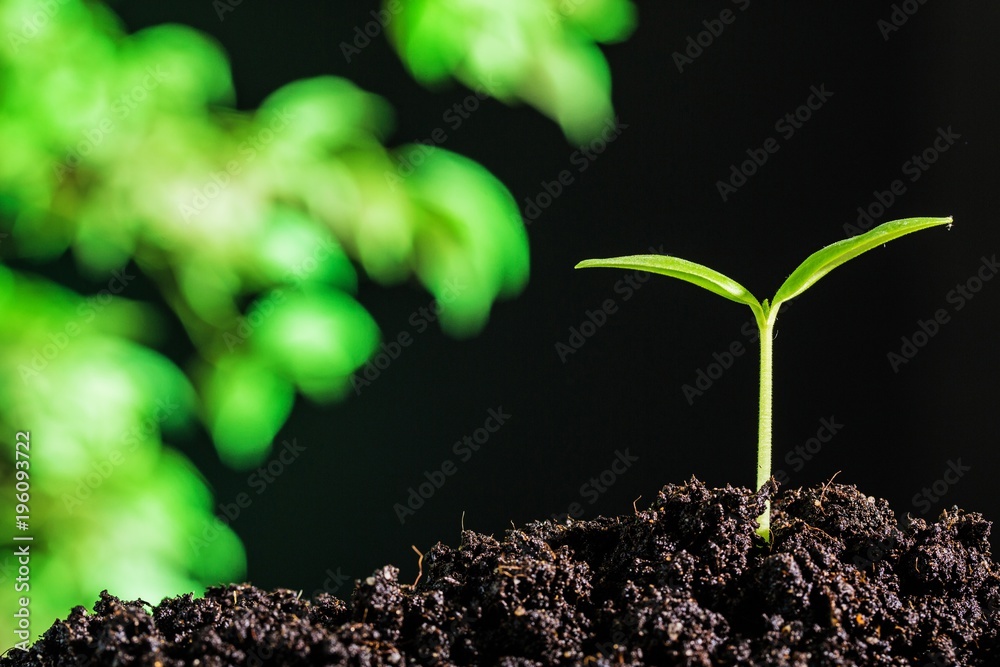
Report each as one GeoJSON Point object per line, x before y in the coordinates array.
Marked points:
{"type": "Point", "coordinates": [823, 261]}
{"type": "Point", "coordinates": [675, 267]}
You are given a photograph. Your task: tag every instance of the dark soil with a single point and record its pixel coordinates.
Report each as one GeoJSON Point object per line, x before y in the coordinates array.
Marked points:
{"type": "Point", "coordinates": [686, 582]}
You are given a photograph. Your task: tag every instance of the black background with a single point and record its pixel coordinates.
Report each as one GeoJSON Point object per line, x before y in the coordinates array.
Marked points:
{"type": "Point", "coordinates": [332, 510]}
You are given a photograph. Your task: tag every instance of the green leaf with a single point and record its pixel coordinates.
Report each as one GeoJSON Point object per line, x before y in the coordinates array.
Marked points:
{"type": "Point", "coordinates": [246, 404]}
{"type": "Point", "coordinates": [823, 261]}
{"type": "Point", "coordinates": [539, 52]}
{"type": "Point", "coordinates": [605, 21]}
{"type": "Point", "coordinates": [317, 337]}
{"type": "Point", "coordinates": [665, 265]}
{"type": "Point", "coordinates": [471, 244]}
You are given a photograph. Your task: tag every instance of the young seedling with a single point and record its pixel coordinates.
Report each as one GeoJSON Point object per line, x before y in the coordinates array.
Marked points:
{"type": "Point", "coordinates": [808, 272]}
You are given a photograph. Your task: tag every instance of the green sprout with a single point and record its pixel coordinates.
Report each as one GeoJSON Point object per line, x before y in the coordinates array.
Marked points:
{"type": "Point", "coordinates": [808, 272]}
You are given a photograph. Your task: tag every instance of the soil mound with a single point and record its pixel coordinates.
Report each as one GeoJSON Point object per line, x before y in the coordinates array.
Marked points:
{"type": "Point", "coordinates": [685, 582]}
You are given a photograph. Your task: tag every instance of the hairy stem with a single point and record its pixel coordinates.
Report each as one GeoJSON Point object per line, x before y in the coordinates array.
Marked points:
{"type": "Point", "coordinates": [766, 327]}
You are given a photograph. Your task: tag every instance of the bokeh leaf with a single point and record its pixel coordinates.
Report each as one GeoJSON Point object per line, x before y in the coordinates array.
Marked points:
{"type": "Point", "coordinates": [316, 337]}
{"type": "Point", "coordinates": [536, 51]}
{"type": "Point", "coordinates": [245, 404]}
{"type": "Point", "coordinates": [126, 150]}
{"type": "Point", "coordinates": [471, 245]}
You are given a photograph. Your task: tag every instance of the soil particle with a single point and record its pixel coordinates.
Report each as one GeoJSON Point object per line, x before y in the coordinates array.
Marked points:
{"type": "Point", "coordinates": [685, 582]}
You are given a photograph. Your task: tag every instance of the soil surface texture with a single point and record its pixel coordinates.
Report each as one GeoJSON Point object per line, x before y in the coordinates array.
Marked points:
{"type": "Point", "coordinates": [685, 582]}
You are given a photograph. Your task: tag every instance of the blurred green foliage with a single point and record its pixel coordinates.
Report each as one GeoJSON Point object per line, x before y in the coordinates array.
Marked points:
{"type": "Point", "coordinates": [255, 229]}
{"type": "Point", "coordinates": [541, 52]}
